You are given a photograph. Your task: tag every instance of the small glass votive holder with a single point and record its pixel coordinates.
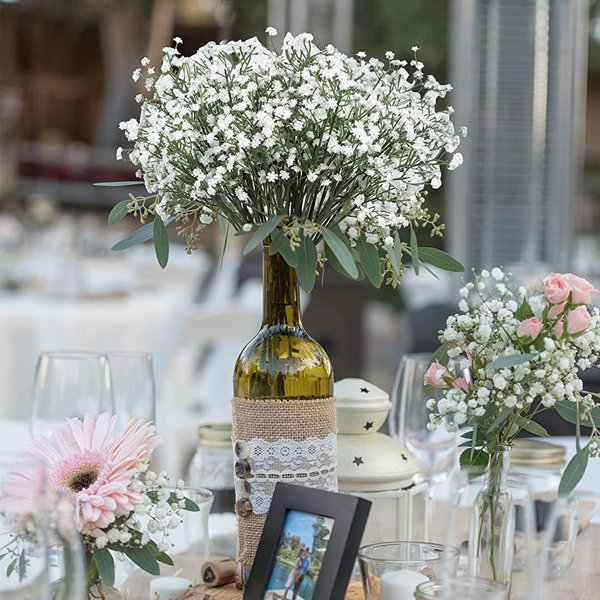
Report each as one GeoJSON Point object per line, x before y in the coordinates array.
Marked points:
{"type": "Point", "coordinates": [193, 534]}
{"type": "Point", "coordinates": [393, 570]}
{"type": "Point", "coordinates": [465, 588]}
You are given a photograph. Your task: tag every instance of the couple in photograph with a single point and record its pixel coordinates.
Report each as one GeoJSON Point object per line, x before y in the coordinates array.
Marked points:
{"type": "Point", "coordinates": [296, 577]}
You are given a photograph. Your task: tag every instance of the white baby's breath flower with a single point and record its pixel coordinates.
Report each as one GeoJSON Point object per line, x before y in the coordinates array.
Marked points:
{"type": "Point", "coordinates": [271, 31]}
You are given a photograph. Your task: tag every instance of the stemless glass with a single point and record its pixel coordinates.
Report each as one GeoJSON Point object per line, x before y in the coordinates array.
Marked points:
{"type": "Point", "coordinates": [393, 570]}
{"type": "Point", "coordinates": [69, 384]}
{"type": "Point", "coordinates": [132, 384]}
{"type": "Point", "coordinates": [434, 450]}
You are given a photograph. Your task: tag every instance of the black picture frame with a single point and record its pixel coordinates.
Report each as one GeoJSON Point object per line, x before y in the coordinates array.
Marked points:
{"type": "Point", "coordinates": [350, 515]}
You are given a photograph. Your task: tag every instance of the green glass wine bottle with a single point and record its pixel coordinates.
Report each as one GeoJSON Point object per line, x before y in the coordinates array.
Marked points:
{"type": "Point", "coordinates": [283, 407]}
{"type": "Point", "coordinates": [282, 360]}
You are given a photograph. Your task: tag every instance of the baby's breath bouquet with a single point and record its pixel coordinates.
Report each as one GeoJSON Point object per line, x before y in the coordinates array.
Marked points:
{"type": "Point", "coordinates": [524, 352]}
{"type": "Point", "coordinates": [301, 145]}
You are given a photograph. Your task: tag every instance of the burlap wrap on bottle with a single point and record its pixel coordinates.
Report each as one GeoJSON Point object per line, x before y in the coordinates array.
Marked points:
{"type": "Point", "coordinates": [283, 439]}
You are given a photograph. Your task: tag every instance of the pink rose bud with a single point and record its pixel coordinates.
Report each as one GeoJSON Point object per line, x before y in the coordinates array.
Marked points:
{"type": "Point", "coordinates": [460, 383]}
{"type": "Point", "coordinates": [434, 375]}
{"type": "Point", "coordinates": [556, 288]}
{"type": "Point", "coordinates": [556, 310]}
{"type": "Point", "coordinates": [530, 328]}
{"type": "Point", "coordinates": [578, 320]}
{"type": "Point", "coordinates": [583, 290]}
{"type": "Point", "coordinates": [558, 329]}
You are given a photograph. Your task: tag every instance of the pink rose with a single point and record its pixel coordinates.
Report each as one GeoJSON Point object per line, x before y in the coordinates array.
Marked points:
{"type": "Point", "coordinates": [530, 328]}
{"type": "Point", "coordinates": [460, 383]}
{"type": "Point", "coordinates": [583, 290]}
{"type": "Point", "coordinates": [556, 310]}
{"type": "Point", "coordinates": [577, 320]}
{"type": "Point", "coordinates": [434, 375]}
{"type": "Point", "coordinates": [556, 288]}
{"type": "Point", "coordinates": [558, 329]}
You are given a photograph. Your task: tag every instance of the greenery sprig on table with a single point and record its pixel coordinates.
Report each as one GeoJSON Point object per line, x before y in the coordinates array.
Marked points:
{"type": "Point", "coordinates": [303, 145]}
{"type": "Point", "coordinates": [519, 348]}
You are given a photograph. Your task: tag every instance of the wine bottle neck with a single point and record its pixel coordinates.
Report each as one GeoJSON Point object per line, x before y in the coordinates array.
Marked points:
{"type": "Point", "coordinates": [281, 300]}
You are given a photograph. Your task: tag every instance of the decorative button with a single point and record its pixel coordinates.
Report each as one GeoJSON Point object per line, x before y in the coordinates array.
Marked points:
{"type": "Point", "coordinates": [243, 507]}
{"type": "Point", "coordinates": [242, 469]}
{"type": "Point", "coordinates": [242, 488]}
{"type": "Point", "coordinates": [241, 449]}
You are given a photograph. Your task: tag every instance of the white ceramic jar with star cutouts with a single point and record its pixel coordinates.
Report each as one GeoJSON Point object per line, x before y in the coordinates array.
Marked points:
{"type": "Point", "coordinates": [375, 466]}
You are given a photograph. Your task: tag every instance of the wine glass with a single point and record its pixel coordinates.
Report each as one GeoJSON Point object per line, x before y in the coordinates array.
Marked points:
{"type": "Point", "coordinates": [435, 451]}
{"type": "Point", "coordinates": [69, 384]}
{"type": "Point", "coordinates": [132, 385]}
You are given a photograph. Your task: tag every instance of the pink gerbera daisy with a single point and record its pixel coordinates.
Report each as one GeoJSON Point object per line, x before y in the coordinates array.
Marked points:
{"type": "Point", "coordinates": [95, 468]}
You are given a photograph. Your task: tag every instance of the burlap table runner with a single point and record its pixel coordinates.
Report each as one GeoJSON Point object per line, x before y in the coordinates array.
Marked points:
{"type": "Point", "coordinates": [283, 439]}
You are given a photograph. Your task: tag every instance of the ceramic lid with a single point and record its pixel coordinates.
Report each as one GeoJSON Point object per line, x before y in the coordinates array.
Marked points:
{"type": "Point", "coordinates": [362, 407]}
{"type": "Point", "coordinates": [355, 392]}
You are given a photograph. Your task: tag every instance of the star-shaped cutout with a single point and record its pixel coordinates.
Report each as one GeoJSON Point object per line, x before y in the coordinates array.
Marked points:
{"type": "Point", "coordinates": [368, 426]}
{"type": "Point", "coordinates": [364, 390]}
{"type": "Point", "coordinates": [403, 457]}
{"type": "Point", "coordinates": [358, 460]}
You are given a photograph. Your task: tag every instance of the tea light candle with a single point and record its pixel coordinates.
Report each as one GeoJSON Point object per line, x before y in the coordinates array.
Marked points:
{"type": "Point", "coordinates": [400, 585]}
{"type": "Point", "coordinates": [168, 588]}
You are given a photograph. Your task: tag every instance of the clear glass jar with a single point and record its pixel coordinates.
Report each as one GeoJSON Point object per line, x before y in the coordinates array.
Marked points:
{"type": "Point", "coordinates": [543, 463]}
{"type": "Point", "coordinates": [211, 466]}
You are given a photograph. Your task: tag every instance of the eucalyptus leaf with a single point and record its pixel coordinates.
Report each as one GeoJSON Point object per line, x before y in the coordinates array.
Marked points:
{"type": "Point", "coordinates": [307, 263]}
{"type": "Point", "coordinates": [335, 264]}
{"type": "Point", "coordinates": [474, 461]}
{"type": "Point", "coordinates": [118, 183]}
{"type": "Point", "coordinates": [278, 239]}
{"type": "Point", "coordinates": [574, 471]}
{"type": "Point", "coordinates": [568, 411]}
{"type": "Point", "coordinates": [142, 556]}
{"type": "Point", "coordinates": [499, 420]}
{"type": "Point", "coordinates": [191, 506]}
{"type": "Point", "coordinates": [398, 247]}
{"type": "Point", "coordinates": [143, 234]}
{"type": "Point", "coordinates": [290, 256]}
{"type": "Point", "coordinates": [262, 231]}
{"type": "Point", "coordinates": [341, 251]}
{"type": "Point", "coordinates": [22, 565]}
{"type": "Point", "coordinates": [161, 241]}
{"type": "Point", "coordinates": [393, 260]}
{"type": "Point", "coordinates": [224, 246]}
{"type": "Point", "coordinates": [118, 212]}
{"type": "Point", "coordinates": [414, 250]}
{"type": "Point", "coordinates": [440, 259]}
{"type": "Point", "coordinates": [369, 259]}
{"type": "Point", "coordinates": [509, 361]}
{"type": "Point", "coordinates": [430, 271]}
{"type": "Point", "coordinates": [106, 565]}
{"type": "Point", "coordinates": [165, 559]}
{"type": "Point", "coordinates": [531, 426]}
{"type": "Point", "coordinates": [441, 355]}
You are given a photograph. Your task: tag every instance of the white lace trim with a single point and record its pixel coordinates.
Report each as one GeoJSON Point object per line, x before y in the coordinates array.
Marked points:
{"type": "Point", "coordinates": [311, 463]}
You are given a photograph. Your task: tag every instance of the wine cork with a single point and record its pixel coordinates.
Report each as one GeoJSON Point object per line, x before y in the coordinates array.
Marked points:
{"type": "Point", "coordinates": [218, 571]}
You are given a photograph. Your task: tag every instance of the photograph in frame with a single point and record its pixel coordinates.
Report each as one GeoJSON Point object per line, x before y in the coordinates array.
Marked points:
{"type": "Point", "coordinates": [308, 546]}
